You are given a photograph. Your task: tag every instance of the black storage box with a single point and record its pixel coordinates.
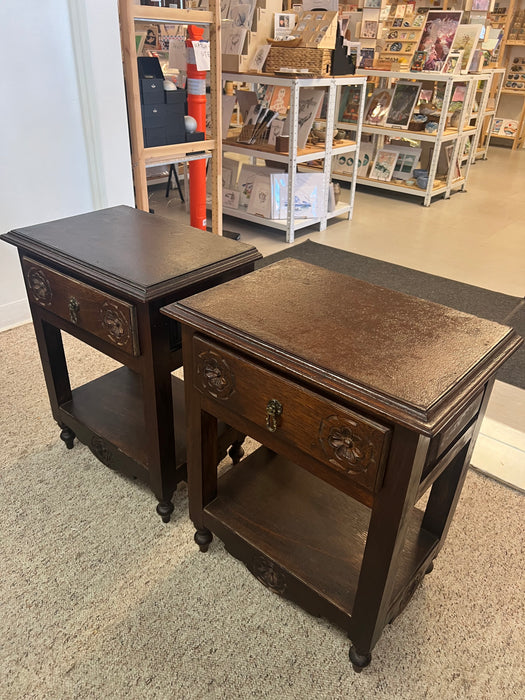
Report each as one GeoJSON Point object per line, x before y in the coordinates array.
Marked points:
{"type": "Point", "coordinates": [175, 133]}
{"type": "Point", "coordinates": [151, 91]}
{"type": "Point", "coordinates": [196, 136]}
{"type": "Point", "coordinates": [149, 67]}
{"type": "Point", "coordinates": [176, 97]}
{"type": "Point", "coordinates": [155, 136]}
{"type": "Point", "coordinates": [154, 115]}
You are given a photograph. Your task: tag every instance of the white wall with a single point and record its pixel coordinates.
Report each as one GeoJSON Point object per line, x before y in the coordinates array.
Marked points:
{"type": "Point", "coordinates": [64, 145]}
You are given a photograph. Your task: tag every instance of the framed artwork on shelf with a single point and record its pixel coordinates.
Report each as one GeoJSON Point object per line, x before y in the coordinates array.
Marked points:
{"type": "Point", "coordinates": [404, 100]}
{"type": "Point", "coordinates": [383, 166]}
{"type": "Point", "coordinates": [466, 40]}
{"type": "Point", "coordinates": [453, 61]}
{"type": "Point", "coordinates": [349, 104]}
{"type": "Point", "coordinates": [378, 105]}
{"type": "Point", "coordinates": [438, 36]}
{"type": "Point", "coordinates": [407, 159]}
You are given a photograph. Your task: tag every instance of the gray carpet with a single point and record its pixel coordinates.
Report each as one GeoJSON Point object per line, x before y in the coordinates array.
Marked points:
{"type": "Point", "coordinates": [101, 600]}
{"type": "Point", "coordinates": [501, 308]}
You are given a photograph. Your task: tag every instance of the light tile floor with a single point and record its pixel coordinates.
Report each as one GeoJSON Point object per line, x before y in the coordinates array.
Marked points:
{"type": "Point", "coordinates": [476, 237]}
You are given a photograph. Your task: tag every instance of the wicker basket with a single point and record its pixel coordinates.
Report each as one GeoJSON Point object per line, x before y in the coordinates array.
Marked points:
{"type": "Point", "coordinates": [316, 61]}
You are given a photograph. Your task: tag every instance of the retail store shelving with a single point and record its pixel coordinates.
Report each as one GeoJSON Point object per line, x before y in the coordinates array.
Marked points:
{"type": "Point", "coordinates": [301, 157]}
{"type": "Point", "coordinates": [446, 134]}
{"type": "Point", "coordinates": [143, 157]}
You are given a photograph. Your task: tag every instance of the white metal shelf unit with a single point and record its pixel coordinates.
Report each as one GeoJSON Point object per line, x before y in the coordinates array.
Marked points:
{"type": "Point", "coordinates": [482, 83]}
{"type": "Point", "coordinates": [494, 94]}
{"type": "Point", "coordinates": [292, 159]}
{"type": "Point", "coordinates": [456, 134]}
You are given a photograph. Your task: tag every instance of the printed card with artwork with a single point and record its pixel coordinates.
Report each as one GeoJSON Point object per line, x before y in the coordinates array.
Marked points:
{"type": "Point", "coordinates": [230, 198]}
{"type": "Point", "coordinates": [260, 203]}
{"type": "Point", "coordinates": [438, 36]}
{"type": "Point", "coordinates": [366, 151]}
{"type": "Point", "coordinates": [466, 40]}
{"type": "Point", "coordinates": [383, 166]}
{"type": "Point", "coordinates": [349, 104]}
{"type": "Point", "coordinates": [377, 106]}
{"type": "Point", "coordinates": [280, 101]}
{"type": "Point", "coordinates": [404, 100]}
{"type": "Point", "coordinates": [407, 159]}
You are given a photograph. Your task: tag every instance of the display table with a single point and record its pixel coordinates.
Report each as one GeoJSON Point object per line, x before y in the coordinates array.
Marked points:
{"type": "Point", "coordinates": [362, 399]}
{"type": "Point", "coordinates": [102, 277]}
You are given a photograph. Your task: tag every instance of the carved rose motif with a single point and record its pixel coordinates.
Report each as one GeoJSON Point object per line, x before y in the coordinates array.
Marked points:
{"type": "Point", "coordinates": [347, 444]}
{"type": "Point", "coordinates": [114, 323]}
{"type": "Point", "coordinates": [101, 450]}
{"type": "Point", "coordinates": [215, 374]}
{"type": "Point", "coordinates": [39, 286]}
{"type": "Point", "coordinates": [269, 574]}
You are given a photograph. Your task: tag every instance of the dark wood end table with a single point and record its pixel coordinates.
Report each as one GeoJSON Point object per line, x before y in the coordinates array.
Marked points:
{"type": "Point", "coordinates": [362, 400]}
{"type": "Point", "coordinates": [103, 277]}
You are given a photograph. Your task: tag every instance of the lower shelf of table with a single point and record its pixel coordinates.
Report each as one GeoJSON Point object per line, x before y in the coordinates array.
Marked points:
{"type": "Point", "coordinates": [315, 534]}
{"type": "Point", "coordinates": [108, 412]}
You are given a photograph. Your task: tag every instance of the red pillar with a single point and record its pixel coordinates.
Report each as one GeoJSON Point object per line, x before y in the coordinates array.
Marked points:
{"type": "Point", "coordinates": [196, 87]}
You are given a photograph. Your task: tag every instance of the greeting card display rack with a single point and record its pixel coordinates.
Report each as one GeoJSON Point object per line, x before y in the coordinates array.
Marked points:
{"type": "Point", "coordinates": [444, 135]}
{"type": "Point", "coordinates": [143, 157]}
{"type": "Point", "coordinates": [494, 93]}
{"type": "Point", "coordinates": [301, 157]}
{"type": "Point", "coordinates": [512, 106]}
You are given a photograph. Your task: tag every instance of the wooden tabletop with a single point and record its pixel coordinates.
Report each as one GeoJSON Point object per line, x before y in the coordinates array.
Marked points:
{"type": "Point", "coordinates": [143, 253]}
{"type": "Point", "coordinates": [393, 350]}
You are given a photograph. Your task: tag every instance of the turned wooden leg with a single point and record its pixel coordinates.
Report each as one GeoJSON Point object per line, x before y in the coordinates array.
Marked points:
{"type": "Point", "coordinates": [165, 509]}
{"type": "Point", "coordinates": [359, 661]}
{"type": "Point", "coordinates": [236, 451]}
{"type": "Point", "coordinates": [68, 436]}
{"type": "Point", "coordinates": [203, 537]}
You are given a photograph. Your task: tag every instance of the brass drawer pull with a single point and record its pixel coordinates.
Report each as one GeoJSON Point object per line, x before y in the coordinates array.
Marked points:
{"type": "Point", "coordinates": [274, 410]}
{"type": "Point", "coordinates": [74, 308]}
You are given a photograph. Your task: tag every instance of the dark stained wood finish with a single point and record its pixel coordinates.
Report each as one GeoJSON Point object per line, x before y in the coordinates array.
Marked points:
{"type": "Point", "coordinates": [347, 442]}
{"type": "Point", "coordinates": [92, 276]}
{"type": "Point", "coordinates": [357, 339]}
{"type": "Point", "coordinates": [417, 375]}
{"type": "Point", "coordinates": [96, 312]}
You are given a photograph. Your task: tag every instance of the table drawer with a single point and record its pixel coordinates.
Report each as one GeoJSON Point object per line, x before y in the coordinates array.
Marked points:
{"type": "Point", "coordinates": [342, 439]}
{"type": "Point", "coordinates": [86, 307]}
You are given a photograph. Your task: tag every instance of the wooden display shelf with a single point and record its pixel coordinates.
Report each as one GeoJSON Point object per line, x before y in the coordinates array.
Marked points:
{"type": "Point", "coordinates": [448, 134]}
{"type": "Point", "coordinates": [281, 224]}
{"type": "Point", "coordinates": [324, 549]}
{"type": "Point", "coordinates": [147, 13]}
{"type": "Point", "coordinates": [310, 152]}
{"type": "Point", "coordinates": [438, 185]}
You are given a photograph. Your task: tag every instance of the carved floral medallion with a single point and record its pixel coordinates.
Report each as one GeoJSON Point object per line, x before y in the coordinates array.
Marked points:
{"type": "Point", "coordinates": [215, 375]}
{"type": "Point", "coordinates": [115, 323]}
{"type": "Point", "coordinates": [40, 286]}
{"type": "Point", "coordinates": [347, 444]}
{"type": "Point", "coordinates": [269, 574]}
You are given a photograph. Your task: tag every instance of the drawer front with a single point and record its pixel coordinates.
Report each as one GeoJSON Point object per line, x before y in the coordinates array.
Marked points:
{"type": "Point", "coordinates": [342, 439]}
{"type": "Point", "coordinates": [88, 308]}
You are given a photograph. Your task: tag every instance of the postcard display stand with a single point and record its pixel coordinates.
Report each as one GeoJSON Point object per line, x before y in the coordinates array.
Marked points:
{"type": "Point", "coordinates": [482, 83]}
{"type": "Point", "coordinates": [442, 137]}
{"type": "Point", "coordinates": [510, 119]}
{"type": "Point", "coordinates": [301, 157]}
{"type": "Point", "coordinates": [142, 156]}
{"type": "Point", "coordinates": [489, 114]}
